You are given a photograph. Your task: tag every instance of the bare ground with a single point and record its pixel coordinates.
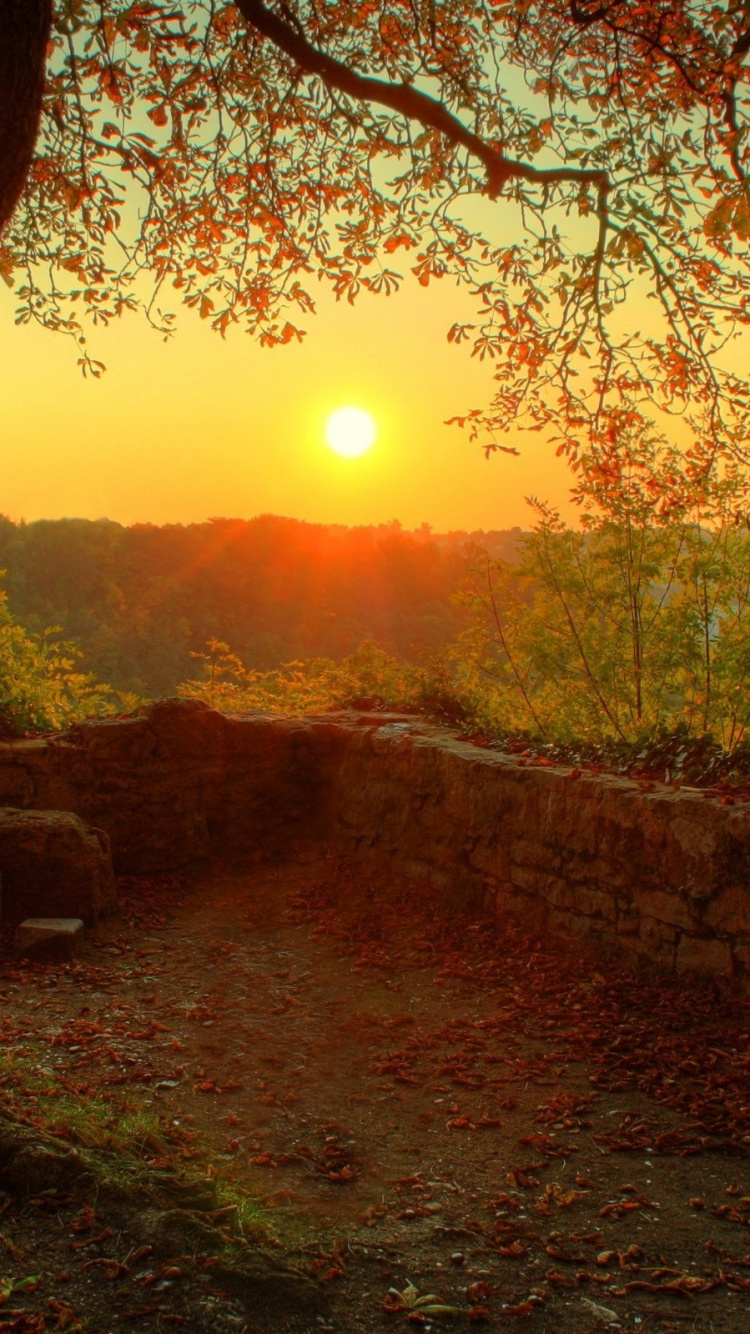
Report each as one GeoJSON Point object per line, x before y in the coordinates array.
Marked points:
{"type": "Point", "coordinates": [349, 1101]}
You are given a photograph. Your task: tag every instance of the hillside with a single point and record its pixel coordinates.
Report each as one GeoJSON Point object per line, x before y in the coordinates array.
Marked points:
{"type": "Point", "coordinates": [139, 599]}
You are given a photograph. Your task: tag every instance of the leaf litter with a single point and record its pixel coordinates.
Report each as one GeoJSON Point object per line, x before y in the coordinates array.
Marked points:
{"type": "Point", "coordinates": [408, 1117]}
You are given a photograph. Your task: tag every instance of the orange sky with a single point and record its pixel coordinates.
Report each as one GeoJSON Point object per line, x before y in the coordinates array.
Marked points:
{"type": "Point", "coordinates": [199, 427]}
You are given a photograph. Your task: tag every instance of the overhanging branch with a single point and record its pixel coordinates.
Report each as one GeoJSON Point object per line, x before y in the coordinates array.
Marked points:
{"type": "Point", "coordinates": [407, 101]}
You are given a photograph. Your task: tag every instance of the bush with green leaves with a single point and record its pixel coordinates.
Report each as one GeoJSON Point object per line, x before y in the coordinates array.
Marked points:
{"type": "Point", "coordinates": [369, 676]}
{"type": "Point", "coordinates": [634, 624]}
{"type": "Point", "coordinates": [40, 688]}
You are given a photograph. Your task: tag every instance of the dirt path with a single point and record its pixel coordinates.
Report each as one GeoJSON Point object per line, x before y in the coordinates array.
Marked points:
{"type": "Point", "coordinates": [398, 1099]}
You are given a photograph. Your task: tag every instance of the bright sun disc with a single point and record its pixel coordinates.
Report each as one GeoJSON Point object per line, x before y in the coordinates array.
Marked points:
{"type": "Point", "coordinates": [350, 432]}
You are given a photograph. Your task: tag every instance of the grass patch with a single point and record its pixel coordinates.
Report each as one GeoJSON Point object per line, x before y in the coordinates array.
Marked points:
{"type": "Point", "coordinates": [128, 1149]}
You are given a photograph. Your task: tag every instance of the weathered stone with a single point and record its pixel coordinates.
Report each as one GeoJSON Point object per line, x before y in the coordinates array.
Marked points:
{"type": "Point", "coordinates": [741, 953]}
{"type": "Point", "coordinates": [511, 905]}
{"type": "Point", "coordinates": [654, 941]}
{"type": "Point", "coordinates": [575, 925]}
{"type": "Point", "coordinates": [628, 919]}
{"type": "Point", "coordinates": [698, 955]}
{"type": "Point", "coordinates": [525, 878]}
{"type": "Point", "coordinates": [729, 909]}
{"type": "Point", "coordinates": [582, 899]}
{"type": "Point", "coordinates": [416, 870]}
{"type": "Point", "coordinates": [180, 782]}
{"type": "Point", "coordinates": [16, 785]}
{"type": "Point", "coordinates": [663, 906]}
{"type": "Point", "coordinates": [48, 939]}
{"type": "Point", "coordinates": [52, 865]}
{"type": "Point", "coordinates": [656, 934]}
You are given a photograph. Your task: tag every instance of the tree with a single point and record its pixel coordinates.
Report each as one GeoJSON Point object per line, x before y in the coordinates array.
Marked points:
{"type": "Point", "coordinates": [24, 35]}
{"type": "Point", "coordinates": [241, 152]}
{"type": "Point", "coordinates": [629, 627]}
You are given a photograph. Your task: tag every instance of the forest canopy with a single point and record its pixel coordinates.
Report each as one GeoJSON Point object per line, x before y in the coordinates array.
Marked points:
{"type": "Point", "coordinates": [138, 601]}
{"type": "Point", "coordinates": [579, 165]}
{"type": "Point", "coordinates": [625, 631]}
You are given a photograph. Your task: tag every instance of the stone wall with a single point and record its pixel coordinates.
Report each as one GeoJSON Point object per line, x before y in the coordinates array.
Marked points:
{"type": "Point", "coordinates": [662, 873]}
{"type": "Point", "coordinates": [178, 784]}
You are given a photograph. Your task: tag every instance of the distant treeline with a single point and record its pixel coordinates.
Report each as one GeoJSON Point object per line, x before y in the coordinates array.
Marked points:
{"type": "Point", "coordinates": [138, 600]}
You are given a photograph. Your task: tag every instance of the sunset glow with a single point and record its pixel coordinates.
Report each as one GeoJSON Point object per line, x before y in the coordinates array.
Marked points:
{"type": "Point", "coordinates": [200, 452]}
{"type": "Point", "coordinates": [350, 432]}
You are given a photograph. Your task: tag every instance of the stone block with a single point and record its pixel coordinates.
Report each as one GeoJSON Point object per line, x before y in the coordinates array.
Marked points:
{"type": "Point", "coordinates": [576, 926]}
{"type": "Point", "coordinates": [741, 952]}
{"type": "Point", "coordinates": [187, 729]}
{"type": "Point", "coordinates": [581, 899]}
{"type": "Point", "coordinates": [48, 939]}
{"type": "Point", "coordinates": [628, 920]}
{"type": "Point", "coordinates": [486, 858]}
{"type": "Point", "coordinates": [503, 894]}
{"type": "Point", "coordinates": [525, 878]}
{"type": "Point", "coordinates": [16, 785]}
{"type": "Point", "coordinates": [520, 909]}
{"type": "Point", "coordinates": [729, 910]}
{"type": "Point", "coordinates": [653, 930]}
{"type": "Point", "coordinates": [700, 955]}
{"type": "Point", "coordinates": [578, 869]}
{"type": "Point", "coordinates": [663, 905]}
{"type": "Point", "coordinates": [415, 869]}
{"type": "Point", "coordinates": [655, 940]}
{"type": "Point", "coordinates": [53, 865]}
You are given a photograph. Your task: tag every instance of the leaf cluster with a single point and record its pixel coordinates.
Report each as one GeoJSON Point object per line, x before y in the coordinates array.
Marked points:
{"type": "Point", "coordinates": [238, 157]}
{"type": "Point", "coordinates": [40, 688]}
{"type": "Point", "coordinates": [634, 625]}
{"type": "Point", "coordinates": [368, 678]}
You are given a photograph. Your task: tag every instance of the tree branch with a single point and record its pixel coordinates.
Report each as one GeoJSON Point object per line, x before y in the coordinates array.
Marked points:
{"type": "Point", "coordinates": [413, 105]}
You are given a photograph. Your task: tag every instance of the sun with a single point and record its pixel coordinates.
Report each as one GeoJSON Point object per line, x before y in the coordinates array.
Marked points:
{"type": "Point", "coordinates": [350, 432]}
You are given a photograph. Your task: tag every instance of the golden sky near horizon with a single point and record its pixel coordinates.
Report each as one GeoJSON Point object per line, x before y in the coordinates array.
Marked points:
{"type": "Point", "coordinates": [200, 427]}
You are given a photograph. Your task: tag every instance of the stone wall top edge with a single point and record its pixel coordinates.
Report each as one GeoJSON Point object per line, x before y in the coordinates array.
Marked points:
{"type": "Point", "coordinates": [369, 729]}
{"type": "Point", "coordinates": [18, 748]}
{"type": "Point", "coordinates": [407, 731]}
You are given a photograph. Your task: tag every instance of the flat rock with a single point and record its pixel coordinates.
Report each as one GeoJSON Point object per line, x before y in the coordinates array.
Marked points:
{"type": "Point", "coordinates": [53, 865]}
{"type": "Point", "coordinates": [48, 939]}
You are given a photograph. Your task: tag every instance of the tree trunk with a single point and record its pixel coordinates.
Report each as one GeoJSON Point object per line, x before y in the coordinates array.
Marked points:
{"type": "Point", "coordinates": [24, 33]}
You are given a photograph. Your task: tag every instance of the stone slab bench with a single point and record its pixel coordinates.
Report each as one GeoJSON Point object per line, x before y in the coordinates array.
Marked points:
{"type": "Point", "coordinates": [48, 939]}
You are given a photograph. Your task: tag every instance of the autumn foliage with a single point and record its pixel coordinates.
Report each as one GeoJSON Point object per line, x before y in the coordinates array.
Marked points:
{"type": "Point", "coordinates": [581, 168]}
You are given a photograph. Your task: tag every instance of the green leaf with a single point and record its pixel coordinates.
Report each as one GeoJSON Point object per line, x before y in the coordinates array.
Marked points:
{"type": "Point", "coordinates": [27, 1284]}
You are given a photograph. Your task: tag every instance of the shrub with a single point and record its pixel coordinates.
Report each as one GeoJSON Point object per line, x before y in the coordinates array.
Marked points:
{"type": "Point", "coordinates": [40, 689]}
